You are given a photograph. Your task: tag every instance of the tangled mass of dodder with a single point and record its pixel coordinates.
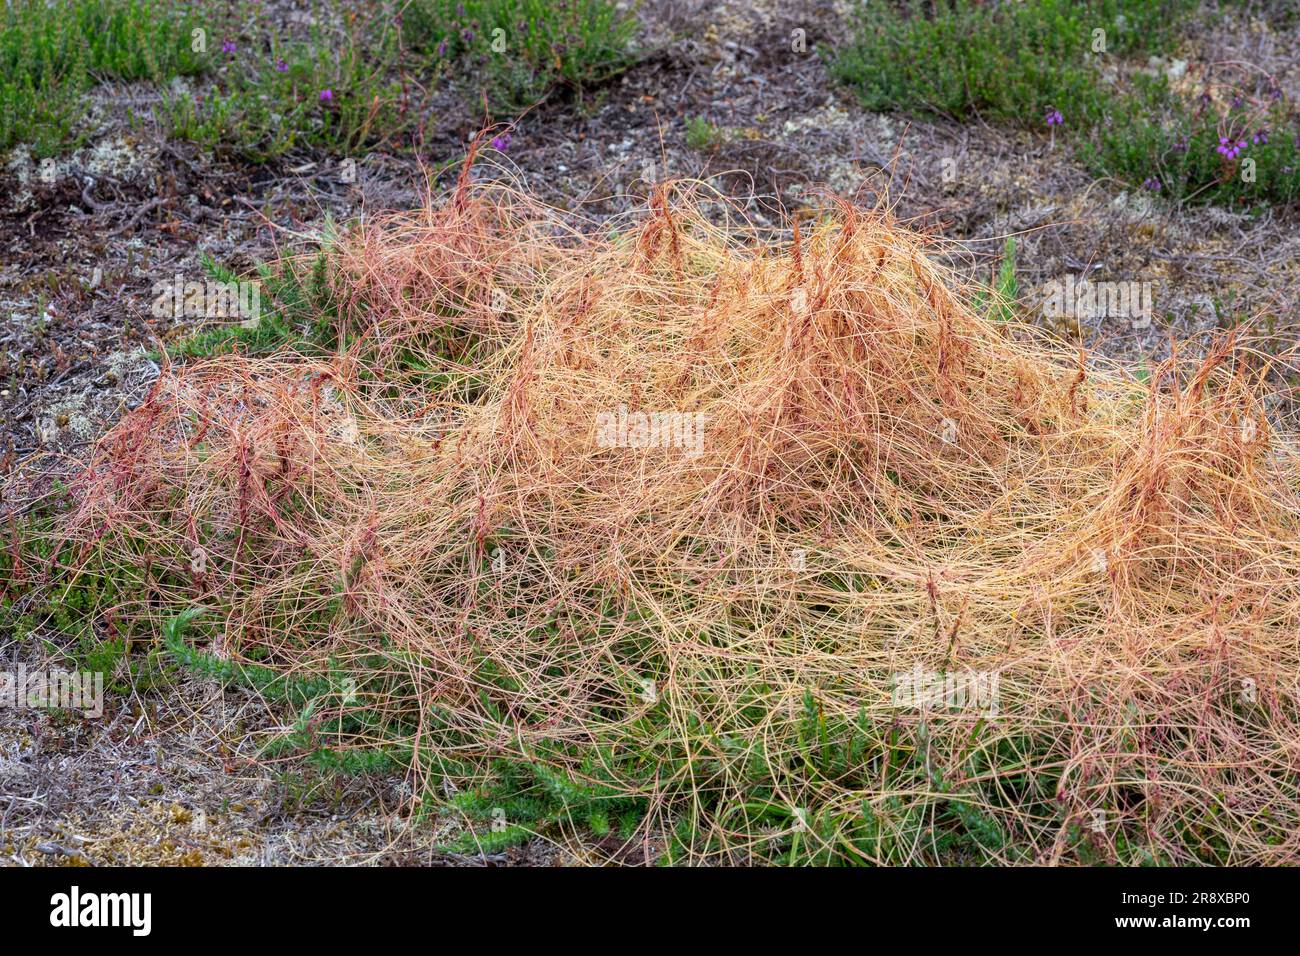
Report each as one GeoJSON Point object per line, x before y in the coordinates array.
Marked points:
{"type": "Point", "coordinates": [701, 652]}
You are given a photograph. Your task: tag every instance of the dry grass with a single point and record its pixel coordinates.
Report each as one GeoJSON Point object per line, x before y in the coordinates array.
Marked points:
{"type": "Point", "coordinates": [885, 481]}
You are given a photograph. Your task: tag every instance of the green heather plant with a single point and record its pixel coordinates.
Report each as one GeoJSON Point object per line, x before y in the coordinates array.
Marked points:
{"type": "Point", "coordinates": [518, 50]}
{"type": "Point", "coordinates": [703, 135]}
{"type": "Point", "coordinates": [1238, 147]}
{"type": "Point", "coordinates": [271, 95]}
{"type": "Point", "coordinates": [298, 309]}
{"type": "Point", "coordinates": [999, 300]}
{"type": "Point", "coordinates": [340, 90]}
{"type": "Point", "coordinates": [1042, 65]}
{"type": "Point", "coordinates": [51, 53]}
{"type": "Point", "coordinates": [1011, 62]}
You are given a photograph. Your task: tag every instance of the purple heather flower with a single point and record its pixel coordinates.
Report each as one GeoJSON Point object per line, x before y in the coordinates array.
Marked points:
{"type": "Point", "coordinates": [1260, 138]}
{"type": "Point", "coordinates": [326, 95]}
{"type": "Point", "coordinates": [442, 48]}
{"type": "Point", "coordinates": [228, 46]}
{"type": "Point", "coordinates": [501, 143]}
{"type": "Point", "coordinates": [281, 66]}
{"type": "Point", "coordinates": [1151, 183]}
{"type": "Point", "coordinates": [1228, 148]}
{"type": "Point", "coordinates": [467, 35]}
{"type": "Point", "coordinates": [1054, 117]}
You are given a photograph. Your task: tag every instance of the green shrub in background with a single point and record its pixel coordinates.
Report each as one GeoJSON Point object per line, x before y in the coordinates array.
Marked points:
{"type": "Point", "coordinates": [272, 94]}
{"type": "Point", "coordinates": [1009, 62]}
{"type": "Point", "coordinates": [51, 53]}
{"type": "Point", "coordinates": [1235, 154]}
{"type": "Point", "coordinates": [1025, 62]}
{"type": "Point", "coordinates": [344, 88]}
{"type": "Point", "coordinates": [519, 49]}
